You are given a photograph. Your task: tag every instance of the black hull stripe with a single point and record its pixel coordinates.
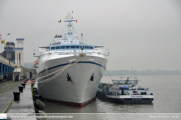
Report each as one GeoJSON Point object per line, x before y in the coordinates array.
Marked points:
{"type": "Point", "coordinates": [72, 62]}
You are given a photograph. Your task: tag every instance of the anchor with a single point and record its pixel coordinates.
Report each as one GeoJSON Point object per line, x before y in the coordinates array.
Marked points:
{"type": "Point", "coordinates": [68, 77]}
{"type": "Point", "coordinates": [92, 77]}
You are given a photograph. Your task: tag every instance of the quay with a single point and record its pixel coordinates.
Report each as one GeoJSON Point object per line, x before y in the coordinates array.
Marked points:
{"type": "Point", "coordinates": [12, 76]}
{"type": "Point", "coordinates": [7, 103]}
{"type": "Point", "coordinates": [24, 105]}
{"type": "Point", "coordinates": [6, 94]}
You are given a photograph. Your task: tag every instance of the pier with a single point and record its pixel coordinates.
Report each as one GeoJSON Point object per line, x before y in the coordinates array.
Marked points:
{"type": "Point", "coordinates": [25, 104]}
{"type": "Point", "coordinates": [12, 76]}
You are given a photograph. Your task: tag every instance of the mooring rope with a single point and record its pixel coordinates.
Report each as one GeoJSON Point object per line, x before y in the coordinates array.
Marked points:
{"type": "Point", "coordinates": [51, 78]}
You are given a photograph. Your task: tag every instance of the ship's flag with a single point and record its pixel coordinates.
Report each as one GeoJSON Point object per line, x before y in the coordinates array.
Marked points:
{"type": "Point", "coordinates": [59, 21]}
{"type": "Point", "coordinates": [76, 20]}
{"type": "Point", "coordinates": [8, 34]}
{"type": "Point", "coordinates": [3, 41]}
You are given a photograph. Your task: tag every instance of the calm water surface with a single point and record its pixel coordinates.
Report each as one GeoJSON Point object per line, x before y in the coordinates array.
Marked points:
{"type": "Point", "coordinates": [165, 88]}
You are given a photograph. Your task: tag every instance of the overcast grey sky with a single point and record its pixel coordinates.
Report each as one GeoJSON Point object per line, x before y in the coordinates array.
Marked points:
{"type": "Point", "coordinates": [143, 34]}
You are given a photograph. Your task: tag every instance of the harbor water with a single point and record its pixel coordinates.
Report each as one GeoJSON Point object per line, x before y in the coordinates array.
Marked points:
{"type": "Point", "coordinates": [165, 88]}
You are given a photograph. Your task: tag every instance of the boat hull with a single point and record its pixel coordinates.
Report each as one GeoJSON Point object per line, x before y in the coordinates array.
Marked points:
{"type": "Point", "coordinates": [127, 99]}
{"type": "Point", "coordinates": [80, 89]}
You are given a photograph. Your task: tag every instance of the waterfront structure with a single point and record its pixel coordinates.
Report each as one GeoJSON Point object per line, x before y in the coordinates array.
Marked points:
{"type": "Point", "coordinates": [19, 59]}
{"type": "Point", "coordinates": [7, 62]}
{"type": "Point", "coordinates": [9, 52]}
{"type": "Point", "coordinates": [6, 69]}
{"type": "Point", "coordinates": [72, 68]}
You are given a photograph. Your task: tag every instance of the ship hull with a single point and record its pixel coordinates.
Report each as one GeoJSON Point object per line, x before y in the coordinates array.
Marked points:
{"type": "Point", "coordinates": [126, 99]}
{"type": "Point", "coordinates": [74, 85]}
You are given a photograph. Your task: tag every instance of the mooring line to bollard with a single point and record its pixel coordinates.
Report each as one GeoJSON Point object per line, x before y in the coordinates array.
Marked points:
{"type": "Point", "coordinates": [49, 79]}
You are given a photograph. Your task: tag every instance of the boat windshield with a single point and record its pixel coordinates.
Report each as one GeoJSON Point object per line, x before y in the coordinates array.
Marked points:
{"type": "Point", "coordinates": [125, 82]}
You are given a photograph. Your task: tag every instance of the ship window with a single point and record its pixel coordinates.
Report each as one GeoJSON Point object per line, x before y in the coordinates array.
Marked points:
{"type": "Point", "coordinates": [57, 47]}
{"type": "Point", "coordinates": [53, 48]}
{"type": "Point", "coordinates": [126, 93]}
{"type": "Point", "coordinates": [134, 91]}
{"type": "Point", "coordinates": [91, 47]}
{"type": "Point", "coordinates": [77, 47]}
{"type": "Point", "coordinates": [67, 47]}
{"type": "Point", "coordinates": [62, 47]}
{"type": "Point", "coordinates": [86, 47]}
{"type": "Point", "coordinates": [72, 47]}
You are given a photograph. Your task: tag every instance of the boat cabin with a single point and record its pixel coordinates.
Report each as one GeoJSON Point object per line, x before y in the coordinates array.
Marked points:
{"type": "Point", "coordinates": [125, 82]}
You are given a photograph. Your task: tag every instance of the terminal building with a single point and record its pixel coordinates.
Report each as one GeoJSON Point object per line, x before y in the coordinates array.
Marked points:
{"type": "Point", "coordinates": [12, 62]}
{"type": "Point", "coordinates": [7, 62]}
{"type": "Point", "coordinates": [9, 52]}
{"type": "Point", "coordinates": [12, 56]}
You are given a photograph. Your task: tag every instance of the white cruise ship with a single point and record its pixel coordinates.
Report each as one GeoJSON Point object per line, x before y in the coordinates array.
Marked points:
{"type": "Point", "coordinates": [68, 69]}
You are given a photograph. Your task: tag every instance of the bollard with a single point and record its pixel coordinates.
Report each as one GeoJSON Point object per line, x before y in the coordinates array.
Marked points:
{"type": "Point", "coordinates": [35, 91]}
{"type": "Point", "coordinates": [32, 84]}
{"type": "Point", "coordinates": [39, 97]}
{"type": "Point", "coordinates": [25, 81]}
{"type": "Point", "coordinates": [21, 88]}
{"type": "Point", "coordinates": [23, 84]}
{"type": "Point", "coordinates": [39, 105]}
{"type": "Point", "coordinates": [16, 96]}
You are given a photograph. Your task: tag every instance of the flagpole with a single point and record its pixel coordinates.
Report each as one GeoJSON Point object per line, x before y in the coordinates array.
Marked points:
{"type": "Point", "coordinates": [1, 44]}
{"type": "Point", "coordinates": [1, 49]}
{"type": "Point", "coordinates": [4, 57]}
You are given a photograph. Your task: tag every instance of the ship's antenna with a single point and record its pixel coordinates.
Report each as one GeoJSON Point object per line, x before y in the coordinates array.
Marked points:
{"type": "Point", "coordinates": [72, 15]}
{"type": "Point", "coordinates": [109, 74]}
{"type": "Point", "coordinates": [85, 39]}
{"type": "Point", "coordinates": [63, 29]}
{"type": "Point", "coordinates": [82, 37]}
{"type": "Point", "coordinates": [76, 34]}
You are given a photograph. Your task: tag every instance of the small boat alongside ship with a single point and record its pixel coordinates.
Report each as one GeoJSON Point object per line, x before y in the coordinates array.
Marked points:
{"type": "Point", "coordinates": [124, 91]}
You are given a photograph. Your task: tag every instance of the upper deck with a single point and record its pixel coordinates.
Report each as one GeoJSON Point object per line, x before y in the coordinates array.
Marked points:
{"type": "Point", "coordinates": [69, 42]}
{"type": "Point", "coordinates": [125, 82]}
{"type": "Point", "coordinates": [69, 47]}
